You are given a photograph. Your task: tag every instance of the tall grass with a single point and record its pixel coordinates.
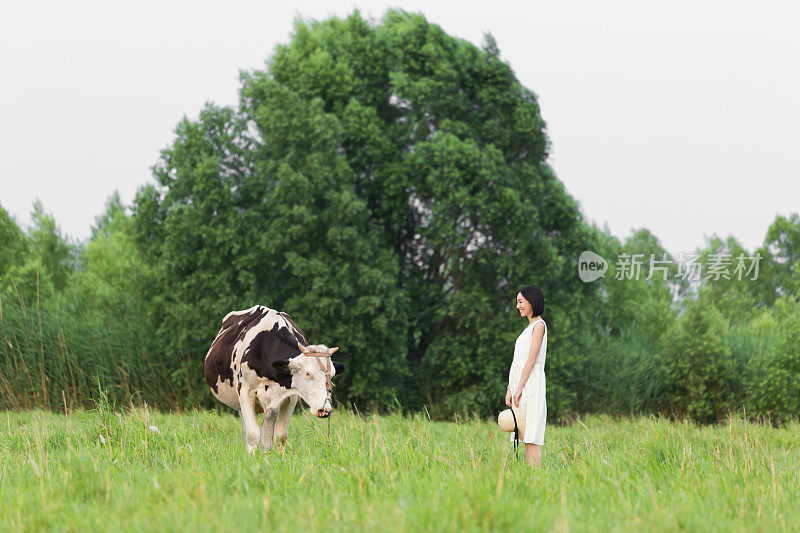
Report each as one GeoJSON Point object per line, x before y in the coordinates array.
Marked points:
{"type": "Point", "coordinates": [622, 376]}
{"type": "Point", "coordinates": [52, 356]}
{"type": "Point", "coordinates": [140, 470]}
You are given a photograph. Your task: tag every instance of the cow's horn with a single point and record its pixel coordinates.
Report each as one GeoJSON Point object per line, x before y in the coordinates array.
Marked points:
{"type": "Point", "coordinates": [302, 348]}
{"type": "Point", "coordinates": [333, 350]}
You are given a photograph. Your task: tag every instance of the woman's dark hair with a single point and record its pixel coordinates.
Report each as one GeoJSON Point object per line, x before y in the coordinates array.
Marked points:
{"type": "Point", "coordinates": [534, 295]}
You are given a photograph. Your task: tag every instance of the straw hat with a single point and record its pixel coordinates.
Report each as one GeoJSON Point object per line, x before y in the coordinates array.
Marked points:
{"type": "Point", "coordinates": [506, 420]}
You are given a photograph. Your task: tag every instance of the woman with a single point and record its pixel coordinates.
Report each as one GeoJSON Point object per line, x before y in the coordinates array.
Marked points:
{"type": "Point", "coordinates": [526, 383]}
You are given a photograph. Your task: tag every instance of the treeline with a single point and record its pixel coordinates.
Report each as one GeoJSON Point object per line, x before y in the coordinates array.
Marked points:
{"type": "Point", "coordinates": [386, 184]}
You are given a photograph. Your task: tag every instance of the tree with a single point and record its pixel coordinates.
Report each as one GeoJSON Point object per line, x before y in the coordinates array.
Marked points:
{"type": "Point", "coordinates": [113, 273]}
{"type": "Point", "coordinates": [387, 185]}
{"type": "Point", "coordinates": [35, 265]}
{"type": "Point", "coordinates": [232, 224]}
{"type": "Point", "coordinates": [13, 248]}
{"type": "Point", "coordinates": [781, 259]}
{"type": "Point", "coordinates": [449, 153]}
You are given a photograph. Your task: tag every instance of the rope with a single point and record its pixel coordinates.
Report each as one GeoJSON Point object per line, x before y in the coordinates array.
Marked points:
{"type": "Point", "coordinates": [516, 434]}
{"type": "Point", "coordinates": [328, 381]}
{"type": "Point", "coordinates": [326, 368]}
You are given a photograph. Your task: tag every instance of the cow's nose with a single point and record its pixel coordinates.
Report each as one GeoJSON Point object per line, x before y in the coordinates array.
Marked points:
{"type": "Point", "coordinates": [323, 413]}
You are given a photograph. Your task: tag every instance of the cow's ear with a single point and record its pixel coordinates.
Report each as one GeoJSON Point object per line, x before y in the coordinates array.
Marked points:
{"type": "Point", "coordinates": [339, 367]}
{"type": "Point", "coordinates": [282, 365]}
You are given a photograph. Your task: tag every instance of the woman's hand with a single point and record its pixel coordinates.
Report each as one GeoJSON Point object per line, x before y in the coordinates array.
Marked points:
{"type": "Point", "coordinates": [516, 397]}
{"type": "Point", "coordinates": [508, 397]}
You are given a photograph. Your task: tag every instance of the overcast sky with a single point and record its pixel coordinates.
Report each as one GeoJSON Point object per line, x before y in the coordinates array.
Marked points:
{"type": "Point", "coordinates": [678, 116]}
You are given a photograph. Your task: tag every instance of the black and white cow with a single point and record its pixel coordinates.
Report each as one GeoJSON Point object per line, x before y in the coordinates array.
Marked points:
{"type": "Point", "coordinates": [260, 358]}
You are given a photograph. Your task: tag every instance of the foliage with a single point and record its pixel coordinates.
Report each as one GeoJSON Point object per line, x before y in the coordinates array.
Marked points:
{"type": "Point", "coordinates": [735, 294]}
{"type": "Point", "coordinates": [13, 246]}
{"type": "Point", "coordinates": [110, 285]}
{"type": "Point", "coordinates": [35, 264]}
{"type": "Point", "coordinates": [386, 185]}
{"type": "Point", "coordinates": [82, 320]}
{"type": "Point", "coordinates": [285, 230]}
{"type": "Point", "coordinates": [772, 379]}
{"type": "Point", "coordinates": [622, 376]}
{"type": "Point", "coordinates": [781, 251]}
{"type": "Point", "coordinates": [52, 357]}
{"type": "Point", "coordinates": [696, 364]}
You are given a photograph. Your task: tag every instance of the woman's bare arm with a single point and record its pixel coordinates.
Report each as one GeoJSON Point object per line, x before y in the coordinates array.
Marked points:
{"type": "Point", "coordinates": [538, 336]}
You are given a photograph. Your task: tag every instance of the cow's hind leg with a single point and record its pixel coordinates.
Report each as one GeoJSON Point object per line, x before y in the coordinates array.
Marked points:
{"type": "Point", "coordinates": [284, 415]}
{"type": "Point", "coordinates": [252, 432]}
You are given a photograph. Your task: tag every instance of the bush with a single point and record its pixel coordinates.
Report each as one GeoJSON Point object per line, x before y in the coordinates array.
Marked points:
{"type": "Point", "coordinates": [772, 375]}
{"type": "Point", "coordinates": [696, 365]}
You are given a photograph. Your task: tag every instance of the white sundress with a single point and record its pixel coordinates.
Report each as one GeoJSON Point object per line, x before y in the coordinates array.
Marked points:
{"type": "Point", "coordinates": [532, 401]}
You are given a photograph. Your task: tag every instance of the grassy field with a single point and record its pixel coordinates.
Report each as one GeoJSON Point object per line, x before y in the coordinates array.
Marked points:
{"type": "Point", "coordinates": [100, 470]}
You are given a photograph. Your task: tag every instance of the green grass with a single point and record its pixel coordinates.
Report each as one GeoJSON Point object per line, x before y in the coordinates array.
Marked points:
{"type": "Point", "coordinates": [391, 473]}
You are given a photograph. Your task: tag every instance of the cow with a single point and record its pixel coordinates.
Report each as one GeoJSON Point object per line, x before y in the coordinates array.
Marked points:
{"type": "Point", "coordinates": [261, 359]}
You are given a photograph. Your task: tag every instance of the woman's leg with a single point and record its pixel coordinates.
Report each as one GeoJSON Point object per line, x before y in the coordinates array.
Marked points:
{"type": "Point", "coordinates": [533, 453]}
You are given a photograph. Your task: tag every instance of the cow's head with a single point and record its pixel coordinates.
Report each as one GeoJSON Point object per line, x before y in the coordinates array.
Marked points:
{"type": "Point", "coordinates": [311, 372]}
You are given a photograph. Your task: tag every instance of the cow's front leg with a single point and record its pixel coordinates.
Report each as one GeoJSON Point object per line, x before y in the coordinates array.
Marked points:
{"type": "Point", "coordinates": [284, 415]}
{"type": "Point", "coordinates": [244, 431]}
{"type": "Point", "coordinates": [268, 428]}
{"type": "Point", "coordinates": [270, 416]}
{"type": "Point", "coordinates": [249, 421]}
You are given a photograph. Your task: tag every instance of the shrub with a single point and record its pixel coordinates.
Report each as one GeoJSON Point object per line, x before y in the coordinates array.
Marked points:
{"type": "Point", "coordinates": [772, 375]}
{"type": "Point", "coordinates": [696, 364]}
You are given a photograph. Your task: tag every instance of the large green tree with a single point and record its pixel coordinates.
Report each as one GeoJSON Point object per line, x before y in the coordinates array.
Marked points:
{"type": "Point", "coordinates": [387, 185]}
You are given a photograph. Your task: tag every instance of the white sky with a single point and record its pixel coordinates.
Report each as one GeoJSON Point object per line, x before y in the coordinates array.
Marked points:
{"type": "Point", "coordinates": [678, 116]}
